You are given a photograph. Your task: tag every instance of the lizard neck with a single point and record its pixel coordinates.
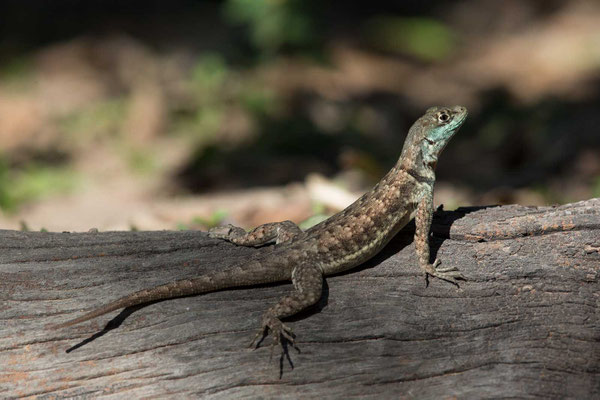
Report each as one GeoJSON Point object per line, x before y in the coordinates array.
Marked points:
{"type": "Point", "coordinates": [416, 167]}
{"type": "Point", "coordinates": [415, 162]}
{"type": "Point", "coordinates": [421, 151]}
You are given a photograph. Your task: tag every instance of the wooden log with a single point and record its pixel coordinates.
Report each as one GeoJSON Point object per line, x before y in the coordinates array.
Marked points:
{"type": "Point", "coordinates": [525, 325]}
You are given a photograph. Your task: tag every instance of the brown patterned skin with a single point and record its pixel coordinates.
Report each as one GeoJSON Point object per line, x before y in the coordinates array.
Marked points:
{"type": "Point", "coordinates": [337, 244]}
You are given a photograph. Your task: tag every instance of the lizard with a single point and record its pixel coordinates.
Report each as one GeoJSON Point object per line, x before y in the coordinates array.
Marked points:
{"type": "Point", "coordinates": [339, 243]}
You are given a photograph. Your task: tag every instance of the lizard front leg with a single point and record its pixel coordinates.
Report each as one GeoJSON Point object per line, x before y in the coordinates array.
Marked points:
{"type": "Point", "coordinates": [308, 288]}
{"type": "Point", "coordinates": [423, 220]}
{"type": "Point", "coordinates": [277, 232]}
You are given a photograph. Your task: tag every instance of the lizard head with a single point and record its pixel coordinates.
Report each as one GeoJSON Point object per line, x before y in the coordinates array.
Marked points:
{"type": "Point", "coordinates": [431, 133]}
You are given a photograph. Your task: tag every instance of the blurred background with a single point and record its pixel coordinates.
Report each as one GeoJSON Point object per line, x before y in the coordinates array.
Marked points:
{"type": "Point", "coordinates": [185, 114]}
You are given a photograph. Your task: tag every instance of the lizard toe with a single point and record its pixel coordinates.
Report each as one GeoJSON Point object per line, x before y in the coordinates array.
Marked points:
{"type": "Point", "coordinates": [448, 274]}
{"type": "Point", "coordinates": [288, 334]}
{"type": "Point", "coordinates": [220, 232]}
{"type": "Point", "coordinates": [451, 276]}
{"type": "Point", "coordinates": [446, 269]}
{"type": "Point", "coordinates": [277, 329]}
{"type": "Point", "coordinates": [255, 342]}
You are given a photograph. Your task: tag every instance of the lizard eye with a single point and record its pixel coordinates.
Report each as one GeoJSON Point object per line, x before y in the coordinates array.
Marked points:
{"type": "Point", "coordinates": [443, 117]}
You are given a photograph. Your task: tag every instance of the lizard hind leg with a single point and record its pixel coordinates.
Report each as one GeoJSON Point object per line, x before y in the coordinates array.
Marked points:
{"type": "Point", "coordinates": [277, 232]}
{"type": "Point", "coordinates": [308, 288]}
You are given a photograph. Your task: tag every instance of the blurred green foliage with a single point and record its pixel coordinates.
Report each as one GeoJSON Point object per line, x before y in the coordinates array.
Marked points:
{"type": "Point", "coordinates": [204, 223]}
{"type": "Point", "coordinates": [257, 99]}
{"type": "Point", "coordinates": [319, 214]}
{"type": "Point", "coordinates": [272, 24]}
{"type": "Point", "coordinates": [98, 121]}
{"type": "Point", "coordinates": [423, 38]}
{"type": "Point", "coordinates": [216, 89]}
{"type": "Point", "coordinates": [209, 74]}
{"type": "Point", "coordinates": [214, 220]}
{"type": "Point", "coordinates": [34, 181]}
{"type": "Point", "coordinates": [16, 71]}
{"type": "Point", "coordinates": [596, 187]}
{"type": "Point", "coordinates": [140, 160]}
{"type": "Point", "coordinates": [207, 83]}
{"type": "Point", "coordinates": [103, 122]}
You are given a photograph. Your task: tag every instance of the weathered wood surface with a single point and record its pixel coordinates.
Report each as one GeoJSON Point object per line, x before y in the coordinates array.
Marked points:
{"type": "Point", "coordinates": [525, 325]}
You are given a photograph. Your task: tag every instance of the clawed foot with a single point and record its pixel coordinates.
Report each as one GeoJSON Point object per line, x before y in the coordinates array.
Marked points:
{"type": "Point", "coordinates": [449, 274]}
{"type": "Point", "coordinates": [278, 331]}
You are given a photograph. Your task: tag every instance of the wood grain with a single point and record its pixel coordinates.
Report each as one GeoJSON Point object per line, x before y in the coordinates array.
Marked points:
{"type": "Point", "coordinates": [525, 325]}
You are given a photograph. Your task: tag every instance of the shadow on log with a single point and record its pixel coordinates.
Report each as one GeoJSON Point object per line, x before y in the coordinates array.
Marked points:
{"type": "Point", "coordinates": [526, 324]}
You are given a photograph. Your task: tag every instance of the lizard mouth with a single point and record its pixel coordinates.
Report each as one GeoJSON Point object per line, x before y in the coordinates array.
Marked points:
{"type": "Point", "coordinates": [462, 115]}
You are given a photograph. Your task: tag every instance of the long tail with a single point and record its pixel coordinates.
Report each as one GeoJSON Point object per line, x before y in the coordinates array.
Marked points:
{"type": "Point", "coordinates": [241, 276]}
